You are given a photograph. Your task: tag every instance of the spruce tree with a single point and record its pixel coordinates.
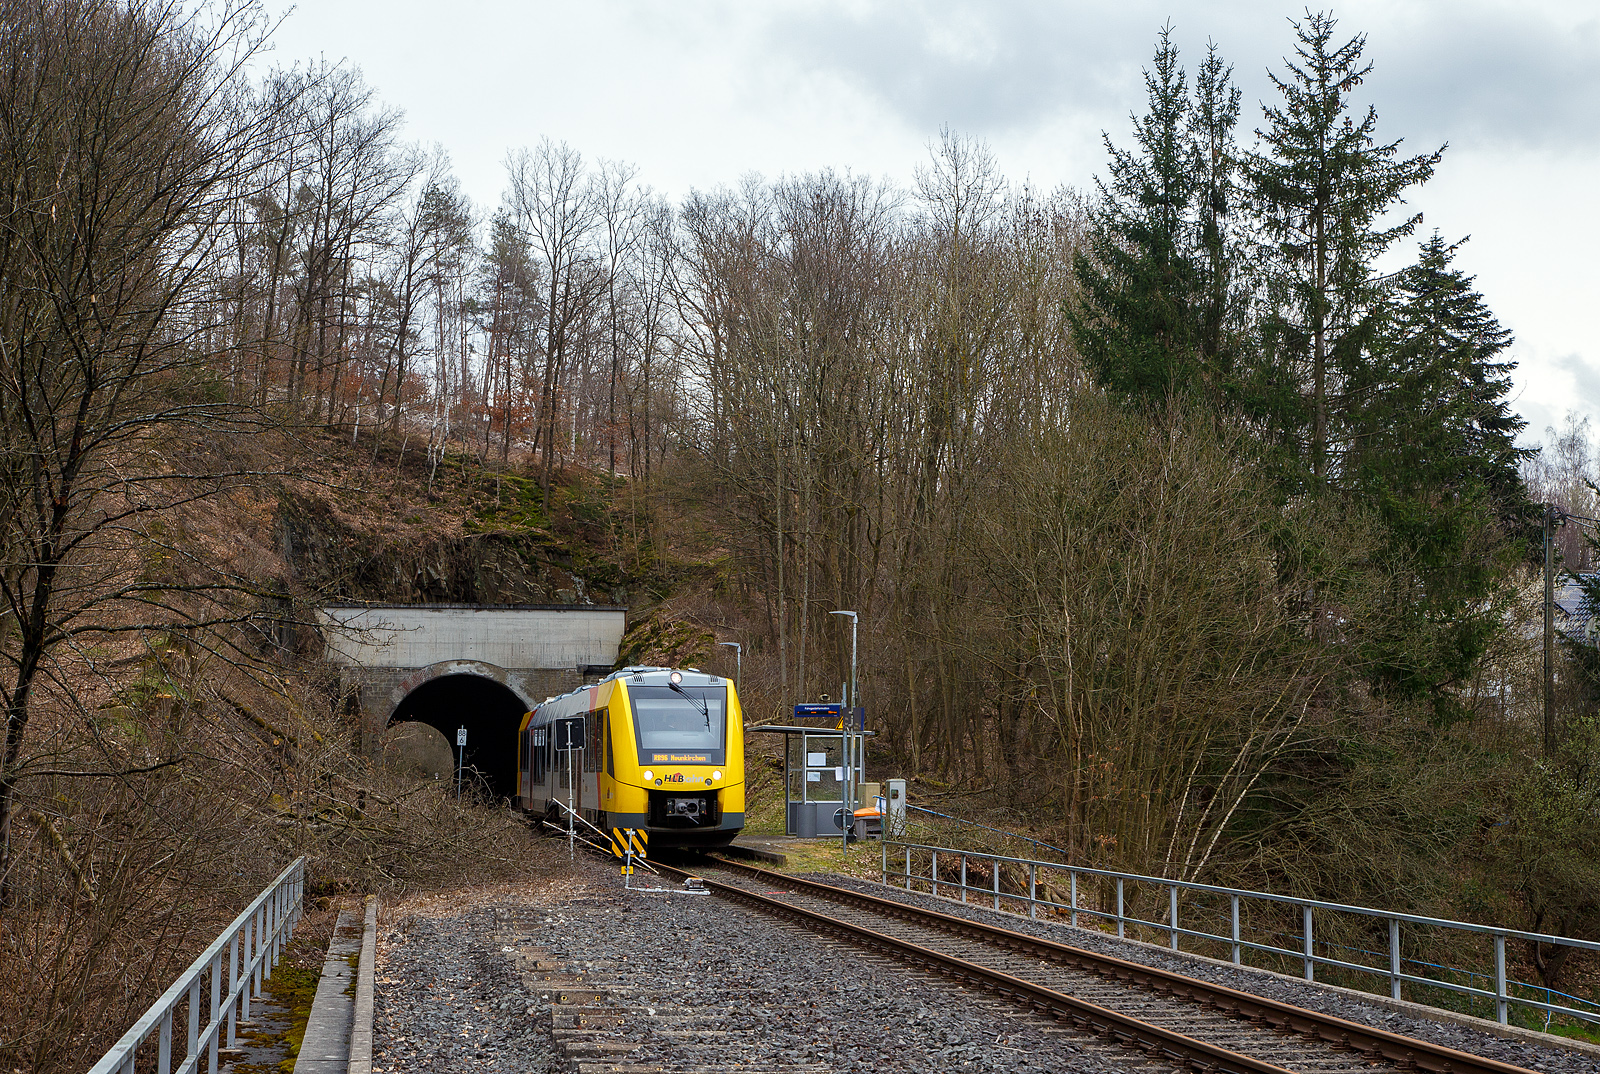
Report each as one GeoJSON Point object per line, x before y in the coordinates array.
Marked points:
{"type": "Point", "coordinates": [1156, 283]}
{"type": "Point", "coordinates": [1431, 448]}
{"type": "Point", "coordinates": [1322, 186]}
{"type": "Point", "coordinates": [1219, 255]}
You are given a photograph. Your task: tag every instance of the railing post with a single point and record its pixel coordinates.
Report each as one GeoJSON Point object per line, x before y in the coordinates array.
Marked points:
{"type": "Point", "coordinates": [1311, 973]}
{"type": "Point", "coordinates": [883, 869]}
{"type": "Point", "coordinates": [996, 885]}
{"type": "Point", "coordinates": [963, 878]}
{"type": "Point", "coordinates": [1236, 949]}
{"type": "Point", "coordinates": [164, 1049]}
{"type": "Point", "coordinates": [192, 1053]}
{"type": "Point", "coordinates": [233, 984]}
{"type": "Point", "coordinates": [244, 968]}
{"type": "Point", "coordinates": [1394, 958]}
{"type": "Point", "coordinates": [214, 1026]}
{"type": "Point", "coordinates": [934, 872]}
{"type": "Point", "coordinates": [908, 868]}
{"type": "Point", "coordinates": [1172, 916]}
{"type": "Point", "coordinates": [1500, 979]}
{"type": "Point", "coordinates": [1073, 885]}
{"type": "Point", "coordinates": [1120, 929]}
{"type": "Point", "coordinates": [273, 912]}
{"type": "Point", "coordinates": [1033, 891]}
{"type": "Point", "coordinates": [256, 920]}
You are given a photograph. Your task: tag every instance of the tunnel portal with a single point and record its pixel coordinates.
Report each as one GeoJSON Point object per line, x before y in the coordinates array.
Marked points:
{"type": "Point", "coordinates": [476, 666]}
{"type": "Point", "coordinates": [489, 711]}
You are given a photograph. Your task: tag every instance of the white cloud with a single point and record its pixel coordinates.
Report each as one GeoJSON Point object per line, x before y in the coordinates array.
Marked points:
{"type": "Point", "coordinates": [700, 92]}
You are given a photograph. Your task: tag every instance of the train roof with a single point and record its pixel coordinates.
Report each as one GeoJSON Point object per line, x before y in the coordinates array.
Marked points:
{"type": "Point", "coordinates": [648, 676]}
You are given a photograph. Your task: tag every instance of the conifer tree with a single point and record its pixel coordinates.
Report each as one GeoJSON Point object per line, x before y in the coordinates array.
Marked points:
{"type": "Point", "coordinates": [1431, 446]}
{"type": "Point", "coordinates": [1157, 280]}
{"type": "Point", "coordinates": [1213, 164]}
{"type": "Point", "coordinates": [1322, 187]}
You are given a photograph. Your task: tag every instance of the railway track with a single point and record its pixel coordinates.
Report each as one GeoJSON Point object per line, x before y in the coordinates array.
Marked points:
{"type": "Point", "coordinates": [1162, 1018]}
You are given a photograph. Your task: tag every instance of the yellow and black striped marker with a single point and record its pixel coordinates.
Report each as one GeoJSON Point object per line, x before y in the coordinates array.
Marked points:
{"type": "Point", "coordinates": [625, 839]}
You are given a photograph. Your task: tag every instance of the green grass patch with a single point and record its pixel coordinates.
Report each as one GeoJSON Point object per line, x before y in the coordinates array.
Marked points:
{"type": "Point", "coordinates": [295, 987]}
{"type": "Point", "coordinates": [1587, 1034]}
{"type": "Point", "coordinates": [864, 860]}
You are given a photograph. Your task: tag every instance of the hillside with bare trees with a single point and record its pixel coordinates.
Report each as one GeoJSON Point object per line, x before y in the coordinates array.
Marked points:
{"type": "Point", "coordinates": [1179, 533]}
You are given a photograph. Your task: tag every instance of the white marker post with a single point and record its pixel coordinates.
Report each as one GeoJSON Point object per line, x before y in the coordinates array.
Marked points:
{"type": "Point", "coordinates": [569, 740]}
{"type": "Point", "coordinates": [461, 756]}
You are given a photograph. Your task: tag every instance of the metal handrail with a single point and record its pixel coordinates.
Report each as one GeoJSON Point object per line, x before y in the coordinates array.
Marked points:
{"type": "Point", "coordinates": [1502, 995]}
{"type": "Point", "coordinates": [252, 945]}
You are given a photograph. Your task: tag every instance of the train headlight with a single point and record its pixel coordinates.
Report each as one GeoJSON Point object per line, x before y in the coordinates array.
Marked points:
{"type": "Point", "coordinates": [716, 775]}
{"type": "Point", "coordinates": [649, 775]}
{"type": "Point", "coordinates": [676, 678]}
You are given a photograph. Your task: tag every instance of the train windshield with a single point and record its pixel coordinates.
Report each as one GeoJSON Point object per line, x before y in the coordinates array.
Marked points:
{"type": "Point", "coordinates": [674, 729]}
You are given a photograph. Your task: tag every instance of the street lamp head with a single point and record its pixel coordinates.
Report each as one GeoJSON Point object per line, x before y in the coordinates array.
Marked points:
{"type": "Point", "coordinates": [852, 615]}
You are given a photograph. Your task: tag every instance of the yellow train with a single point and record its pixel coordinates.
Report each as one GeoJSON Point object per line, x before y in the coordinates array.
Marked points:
{"type": "Point", "coordinates": [663, 751]}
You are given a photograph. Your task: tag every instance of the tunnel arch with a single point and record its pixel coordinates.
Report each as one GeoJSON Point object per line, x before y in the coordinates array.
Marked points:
{"type": "Point", "coordinates": [478, 697]}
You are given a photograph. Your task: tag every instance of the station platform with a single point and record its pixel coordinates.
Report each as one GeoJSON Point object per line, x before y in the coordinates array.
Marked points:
{"type": "Point", "coordinates": [770, 849]}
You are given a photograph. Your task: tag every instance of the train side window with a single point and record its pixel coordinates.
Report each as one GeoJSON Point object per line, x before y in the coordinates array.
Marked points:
{"type": "Point", "coordinates": [605, 726]}
{"type": "Point", "coordinates": [591, 755]}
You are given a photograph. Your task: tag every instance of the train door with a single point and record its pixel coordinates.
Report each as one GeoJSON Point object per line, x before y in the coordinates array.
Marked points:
{"type": "Point", "coordinates": [525, 764]}
{"type": "Point", "coordinates": [594, 732]}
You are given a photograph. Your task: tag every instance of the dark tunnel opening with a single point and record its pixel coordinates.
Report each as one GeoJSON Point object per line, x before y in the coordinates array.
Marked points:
{"type": "Point", "coordinates": [489, 711]}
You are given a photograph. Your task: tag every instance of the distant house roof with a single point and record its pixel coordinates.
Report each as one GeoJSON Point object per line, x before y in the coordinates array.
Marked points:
{"type": "Point", "coordinates": [1577, 614]}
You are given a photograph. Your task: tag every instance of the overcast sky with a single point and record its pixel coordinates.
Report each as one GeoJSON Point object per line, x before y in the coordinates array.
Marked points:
{"type": "Point", "coordinates": [698, 93]}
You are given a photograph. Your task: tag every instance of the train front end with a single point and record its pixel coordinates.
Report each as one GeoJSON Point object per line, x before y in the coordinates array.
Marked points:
{"type": "Point", "coordinates": [678, 758]}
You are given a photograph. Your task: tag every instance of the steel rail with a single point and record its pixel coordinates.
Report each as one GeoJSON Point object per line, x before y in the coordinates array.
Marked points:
{"type": "Point", "coordinates": [1406, 1052]}
{"type": "Point", "coordinates": [1153, 1041]}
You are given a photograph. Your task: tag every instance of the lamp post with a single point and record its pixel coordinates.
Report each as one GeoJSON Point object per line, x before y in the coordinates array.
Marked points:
{"type": "Point", "coordinates": [845, 735]}
{"type": "Point", "coordinates": [738, 663]}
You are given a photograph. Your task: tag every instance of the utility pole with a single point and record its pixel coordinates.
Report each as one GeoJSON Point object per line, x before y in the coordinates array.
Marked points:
{"type": "Point", "coordinates": [1549, 631]}
{"type": "Point", "coordinates": [845, 734]}
{"type": "Point", "coordinates": [738, 663]}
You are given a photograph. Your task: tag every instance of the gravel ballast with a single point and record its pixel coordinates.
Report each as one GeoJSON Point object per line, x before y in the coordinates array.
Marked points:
{"type": "Point", "coordinates": [446, 999]}
{"type": "Point", "coordinates": [580, 975]}
{"type": "Point", "coordinates": [676, 982]}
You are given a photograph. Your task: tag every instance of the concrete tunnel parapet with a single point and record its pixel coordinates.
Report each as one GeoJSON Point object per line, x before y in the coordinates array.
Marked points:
{"type": "Point", "coordinates": [386, 652]}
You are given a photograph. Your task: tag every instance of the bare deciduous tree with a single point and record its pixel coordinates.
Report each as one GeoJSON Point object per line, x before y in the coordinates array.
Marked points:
{"type": "Point", "coordinates": [125, 138]}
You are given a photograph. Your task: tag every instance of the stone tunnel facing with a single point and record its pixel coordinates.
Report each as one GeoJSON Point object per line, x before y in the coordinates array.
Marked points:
{"type": "Point", "coordinates": [488, 710]}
